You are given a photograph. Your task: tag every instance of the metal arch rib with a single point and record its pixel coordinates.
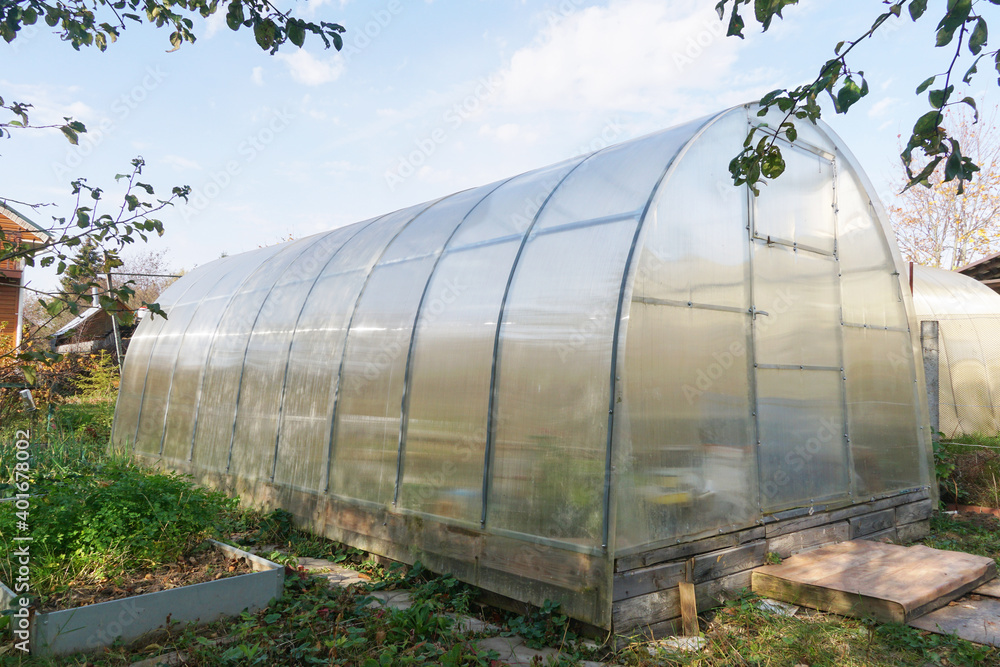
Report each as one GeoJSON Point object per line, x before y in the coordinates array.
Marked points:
{"type": "Point", "coordinates": [291, 342]}
{"type": "Point", "coordinates": [246, 346]}
{"type": "Point", "coordinates": [408, 369]}
{"type": "Point", "coordinates": [211, 349]}
{"type": "Point", "coordinates": [490, 416]}
{"type": "Point", "coordinates": [145, 380]}
{"type": "Point", "coordinates": [173, 370]}
{"type": "Point", "coordinates": [626, 271]}
{"type": "Point", "coordinates": [347, 334]}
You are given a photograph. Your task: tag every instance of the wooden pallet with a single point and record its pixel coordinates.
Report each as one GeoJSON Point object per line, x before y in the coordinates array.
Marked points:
{"type": "Point", "coordinates": [862, 578]}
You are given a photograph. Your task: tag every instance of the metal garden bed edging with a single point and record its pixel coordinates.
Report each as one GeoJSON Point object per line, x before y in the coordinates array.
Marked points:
{"type": "Point", "coordinates": [99, 625]}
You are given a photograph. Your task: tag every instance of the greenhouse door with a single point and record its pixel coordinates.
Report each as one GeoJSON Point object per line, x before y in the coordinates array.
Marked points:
{"type": "Point", "coordinates": [798, 355]}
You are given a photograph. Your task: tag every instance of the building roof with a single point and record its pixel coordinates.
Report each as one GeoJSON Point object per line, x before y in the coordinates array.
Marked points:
{"type": "Point", "coordinates": [6, 211]}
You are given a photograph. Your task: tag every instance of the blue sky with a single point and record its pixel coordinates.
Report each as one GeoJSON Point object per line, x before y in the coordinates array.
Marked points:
{"type": "Point", "coordinates": [427, 98]}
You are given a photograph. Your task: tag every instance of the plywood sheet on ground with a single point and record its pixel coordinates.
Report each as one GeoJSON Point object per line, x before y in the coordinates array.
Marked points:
{"type": "Point", "coordinates": [975, 620]}
{"type": "Point", "coordinates": [864, 578]}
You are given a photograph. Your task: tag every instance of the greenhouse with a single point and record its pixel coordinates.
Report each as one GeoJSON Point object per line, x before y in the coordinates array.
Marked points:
{"type": "Point", "coordinates": [567, 384]}
{"type": "Point", "coordinates": [968, 317]}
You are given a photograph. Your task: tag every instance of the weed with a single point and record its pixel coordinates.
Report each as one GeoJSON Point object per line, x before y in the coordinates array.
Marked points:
{"type": "Point", "coordinates": [542, 627]}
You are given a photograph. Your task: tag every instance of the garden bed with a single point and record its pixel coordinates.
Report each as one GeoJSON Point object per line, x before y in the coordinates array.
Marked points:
{"type": "Point", "coordinates": [125, 619]}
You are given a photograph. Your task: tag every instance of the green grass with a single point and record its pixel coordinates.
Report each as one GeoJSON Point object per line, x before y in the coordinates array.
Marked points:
{"type": "Point", "coordinates": [969, 470]}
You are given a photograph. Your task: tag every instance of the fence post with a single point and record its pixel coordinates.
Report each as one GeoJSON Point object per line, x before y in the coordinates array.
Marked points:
{"type": "Point", "coordinates": [929, 347]}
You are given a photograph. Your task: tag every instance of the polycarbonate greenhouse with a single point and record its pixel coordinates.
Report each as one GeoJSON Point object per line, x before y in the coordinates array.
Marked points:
{"type": "Point", "coordinates": [562, 384]}
{"type": "Point", "coordinates": [968, 317]}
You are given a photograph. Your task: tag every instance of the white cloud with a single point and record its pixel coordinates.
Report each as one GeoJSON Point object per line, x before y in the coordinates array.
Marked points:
{"type": "Point", "coordinates": [634, 55]}
{"type": "Point", "coordinates": [214, 24]}
{"type": "Point", "coordinates": [180, 163]}
{"type": "Point", "coordinates": [882, 108]}
{"type": "Point", "coordinates": [310, 71]}
{"type": "Point", "coordinates": [507, 133]}
{"type": "Point", "coordinates": [257, 76]}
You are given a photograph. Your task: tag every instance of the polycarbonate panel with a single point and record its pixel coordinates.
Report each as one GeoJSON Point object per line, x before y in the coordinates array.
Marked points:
{"type": "Point", "coordinates": [968, 365]}
{"type": "Point", "coordinates": [803, 453]}
{"type": "Point", "coordinates": [450, 382]}
{"type": "Point", "coordinates": [195, 339]}
{"type": "Point", "coordinates": [694, 245]}
{"type": "Point", "coordinates": [880, 411]}
{"type": "Point", "coordinates": [137, 363]}
{"type": "Point", "coordinates": [267, 357]}
{"type": "Point", "coordinates": [509, 211]}
{"type": "Point", "coordinates": [968, 316]}
{"type": "Point", "coordinates": [870, 290]}
{"type": "Point", "coordinates": [436, 225]}
{"type": "Point", "coordinates": [550, 445]}
{"type": "Point", "coordinates": [159, 386]}
{"type": "Point", "coordinates": [798, 207]}
{"type": "Point", "coordinates": [369, 409]}
{"type": "Point", "coordinates": [687, 462]}
{"type": "Point", "coordinates": [216, 414]}
{"type": "Point", "coordinates": [314, 359]}
{"type": "Point", "coordinates": [616, 180]}
{"type": "Point", "coordinates": [797, 296]}
{"type": "Point", "coordinates": [371, 390]}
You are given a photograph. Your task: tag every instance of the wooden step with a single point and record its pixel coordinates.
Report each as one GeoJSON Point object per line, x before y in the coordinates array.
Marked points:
{"type": "Point", "coordinates": [862, 578]}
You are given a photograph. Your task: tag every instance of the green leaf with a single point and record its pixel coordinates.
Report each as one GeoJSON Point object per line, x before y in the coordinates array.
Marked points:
{"type": "Point", "coordinates": [938, 98]}
{"type": "Point", "coordinates": [30, 374]}
{"type": "Point", "coordinates": [70, 134]}
{"type": "Point", "coordinates": [917, 9]}
{"type": "Point", "coordinates": [926, 123]}
{"type": "Point", "coordinates": [925, 85]}
{"type": "Point", "coordinates": [235, 17]}
{"type": "Point", "coordinates": [978, 37]}
{"type": "Point", "coordinates": [849, 94]}
{"type": "Point", "coordinates": [296, 33]}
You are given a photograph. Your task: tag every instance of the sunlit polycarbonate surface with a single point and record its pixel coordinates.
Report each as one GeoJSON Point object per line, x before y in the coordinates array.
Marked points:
{"type": "Point", "coordinates": [684, 447]}
{"type": "Point", "coordinates": [137, 365]}
{"type": "Point", "coordinates": [968, 316]}
{"type": "Point", "coordinates": [610, 354]}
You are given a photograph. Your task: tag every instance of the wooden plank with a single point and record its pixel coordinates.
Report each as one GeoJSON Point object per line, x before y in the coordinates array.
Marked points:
{"type": "Point", "coordinates": [727, 561]}
{"type": "Point", "coordinates": [646, 610]}
{"type": "Point", "coordinates": [974, 620]}
{"type": "Point", "coordinates": [912, 512]}
{"type": "Point", "coordinates": [794, 525]}
{"type": "Point", "coordinates": [647, 580]}
{"type": "Point", "coordinates": [912, 532]}
{"type": "Point", "coordinates": [893, 501]}
{"type": "Point", "coordinates": [689, 608]}
{"type": "Point", "coordinates": [687, 549]}
{"type": "Point", "coordinates": [713, 593]}
{"type": "Point", "coordinates": [887, 535]}
{"type": "Point", "coordinates": [886, 581]}
{"type": "Point", "coordinates": [875, 522]}
{"type": "Point", "coordinates": [786, 545]}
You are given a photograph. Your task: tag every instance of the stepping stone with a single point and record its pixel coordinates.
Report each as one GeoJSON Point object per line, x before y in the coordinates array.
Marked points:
{"type": "Point", "coordinates": [513, 651]}
{"type": "Point", "coordinates": [975, 620]}
{"type": "Point", "coordinates": [392, 599]}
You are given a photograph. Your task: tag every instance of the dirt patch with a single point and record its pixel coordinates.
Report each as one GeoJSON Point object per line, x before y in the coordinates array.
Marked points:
{"type": "Point", "coordinates": [206, 565]}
